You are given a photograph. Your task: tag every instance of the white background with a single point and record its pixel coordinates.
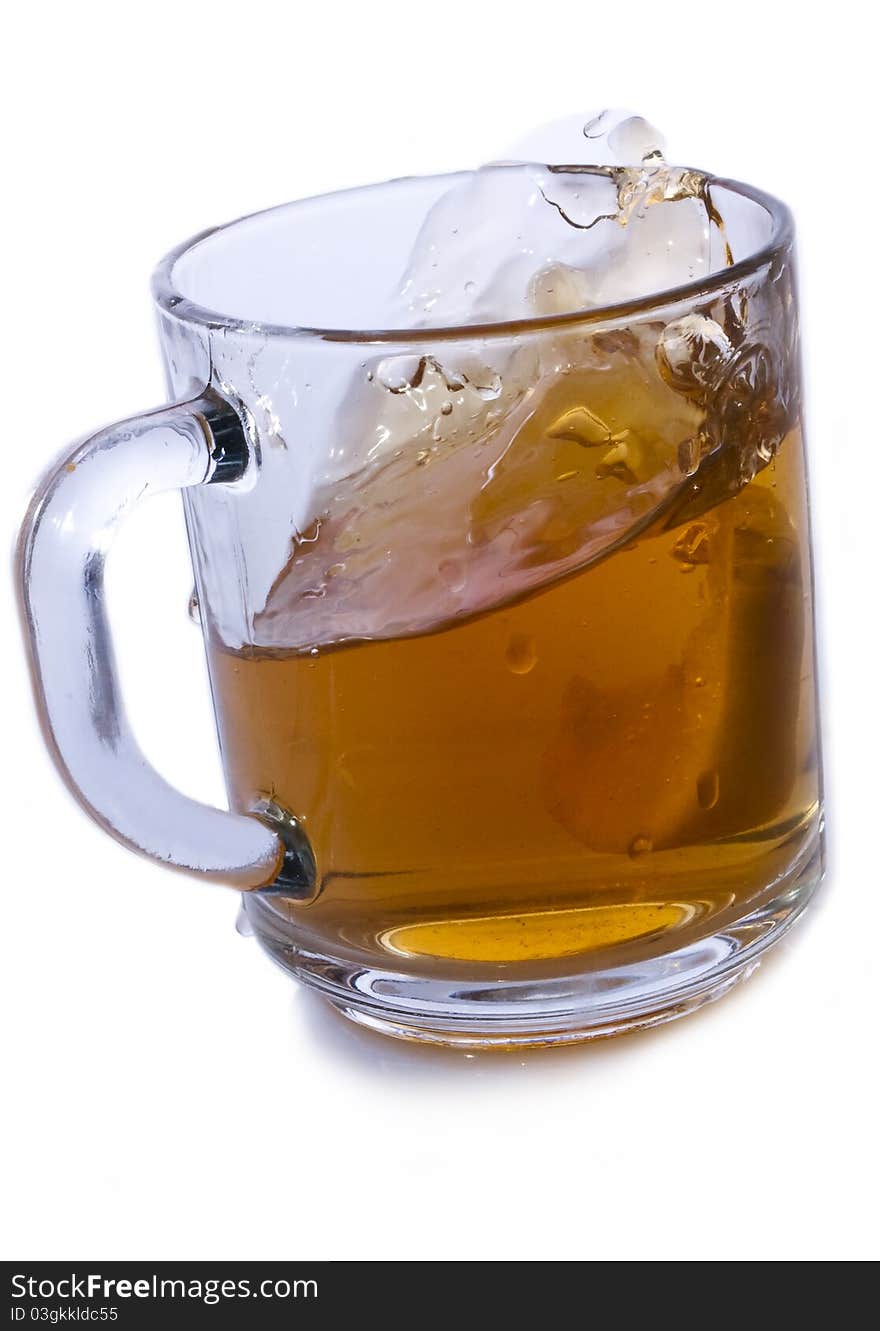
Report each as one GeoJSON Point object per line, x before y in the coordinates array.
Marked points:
{"type": "Point", "coordinates": [169, 1094]}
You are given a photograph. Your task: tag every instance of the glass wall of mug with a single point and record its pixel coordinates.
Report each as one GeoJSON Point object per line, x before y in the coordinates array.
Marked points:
{"type": "Point", "coordinates": [496, 496]}
{"type": "Point", "coordinates": [516, 621]}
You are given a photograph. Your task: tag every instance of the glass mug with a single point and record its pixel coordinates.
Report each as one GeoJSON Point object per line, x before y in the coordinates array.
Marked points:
{"type": "Point", "coordinates": [509, 623]}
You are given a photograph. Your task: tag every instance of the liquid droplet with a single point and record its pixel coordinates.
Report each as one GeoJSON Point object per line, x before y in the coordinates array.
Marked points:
{"type": "Point", "coordinates": [192, 607]}
{"type": "Point", "coordinates": [640, 845]}
{"type": "Point", "coordinates": [707, 790]}
{"type": "Point", "coordinates": [595, 128]}
{"type": "Point", "coordinates": [470, 288]}
{"type": "Point", "coordinates": [446, 409]}
{"type": "Point", "coordinates": [693, 546]}
{"type": "Point", "coordinates": [521, 654]}
{"type": "Point", "coordinates": [243, 925]}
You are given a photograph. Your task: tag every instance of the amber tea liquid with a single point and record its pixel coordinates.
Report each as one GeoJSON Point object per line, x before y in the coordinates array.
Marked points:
{"type": "Point", "coordinates": [622, 756]}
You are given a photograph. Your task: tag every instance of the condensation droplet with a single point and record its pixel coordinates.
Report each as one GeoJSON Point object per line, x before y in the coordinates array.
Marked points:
{"type": "Point", "coordinates": [470, 288]}
{"type": "Point", "coordinates": [400, 373]}
{"type": "Point", "coordinates": [521, 654]}
{"type": "Point", "coordinates": [566, 475]}
{"type": "Point", "coordinates": [707, 789]}
{"type": "Point", "coordinates": [640, 845]}
{"type": "Point", "coordinates": [446, 409]}
{"type": "Point", "coordinates": [334, 570]}
{"type": "Point", "coordinates": [313, 651]}
{"type": "Point", "coordinates": [192, 607]}
{"type": "Point", "coordinates": [693, 546]}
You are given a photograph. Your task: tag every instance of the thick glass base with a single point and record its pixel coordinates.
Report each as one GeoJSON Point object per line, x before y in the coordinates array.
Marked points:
{"type": "Point", "coordinates": [513, 1013]}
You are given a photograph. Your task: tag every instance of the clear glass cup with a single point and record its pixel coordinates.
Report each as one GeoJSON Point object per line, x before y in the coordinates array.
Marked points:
{"type": "Point", "coordinates": [509, 624]}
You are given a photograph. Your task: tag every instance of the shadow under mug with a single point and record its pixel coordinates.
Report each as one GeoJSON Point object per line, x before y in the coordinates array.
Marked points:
{"type": "Point", "coordinates": [509, 624]}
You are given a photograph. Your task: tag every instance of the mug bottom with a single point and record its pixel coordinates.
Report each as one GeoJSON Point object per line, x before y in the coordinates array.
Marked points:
{"type": "Point", "coordinates": [571, 1009]}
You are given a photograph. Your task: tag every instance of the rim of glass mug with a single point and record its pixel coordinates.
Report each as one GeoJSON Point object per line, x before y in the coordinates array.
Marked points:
{"type": "Point", "coordinates": [170, 298]}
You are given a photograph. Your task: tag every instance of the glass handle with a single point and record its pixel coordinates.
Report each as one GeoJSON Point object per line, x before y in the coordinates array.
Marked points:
{"type": "Point", "coordinates": [63, 547]}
